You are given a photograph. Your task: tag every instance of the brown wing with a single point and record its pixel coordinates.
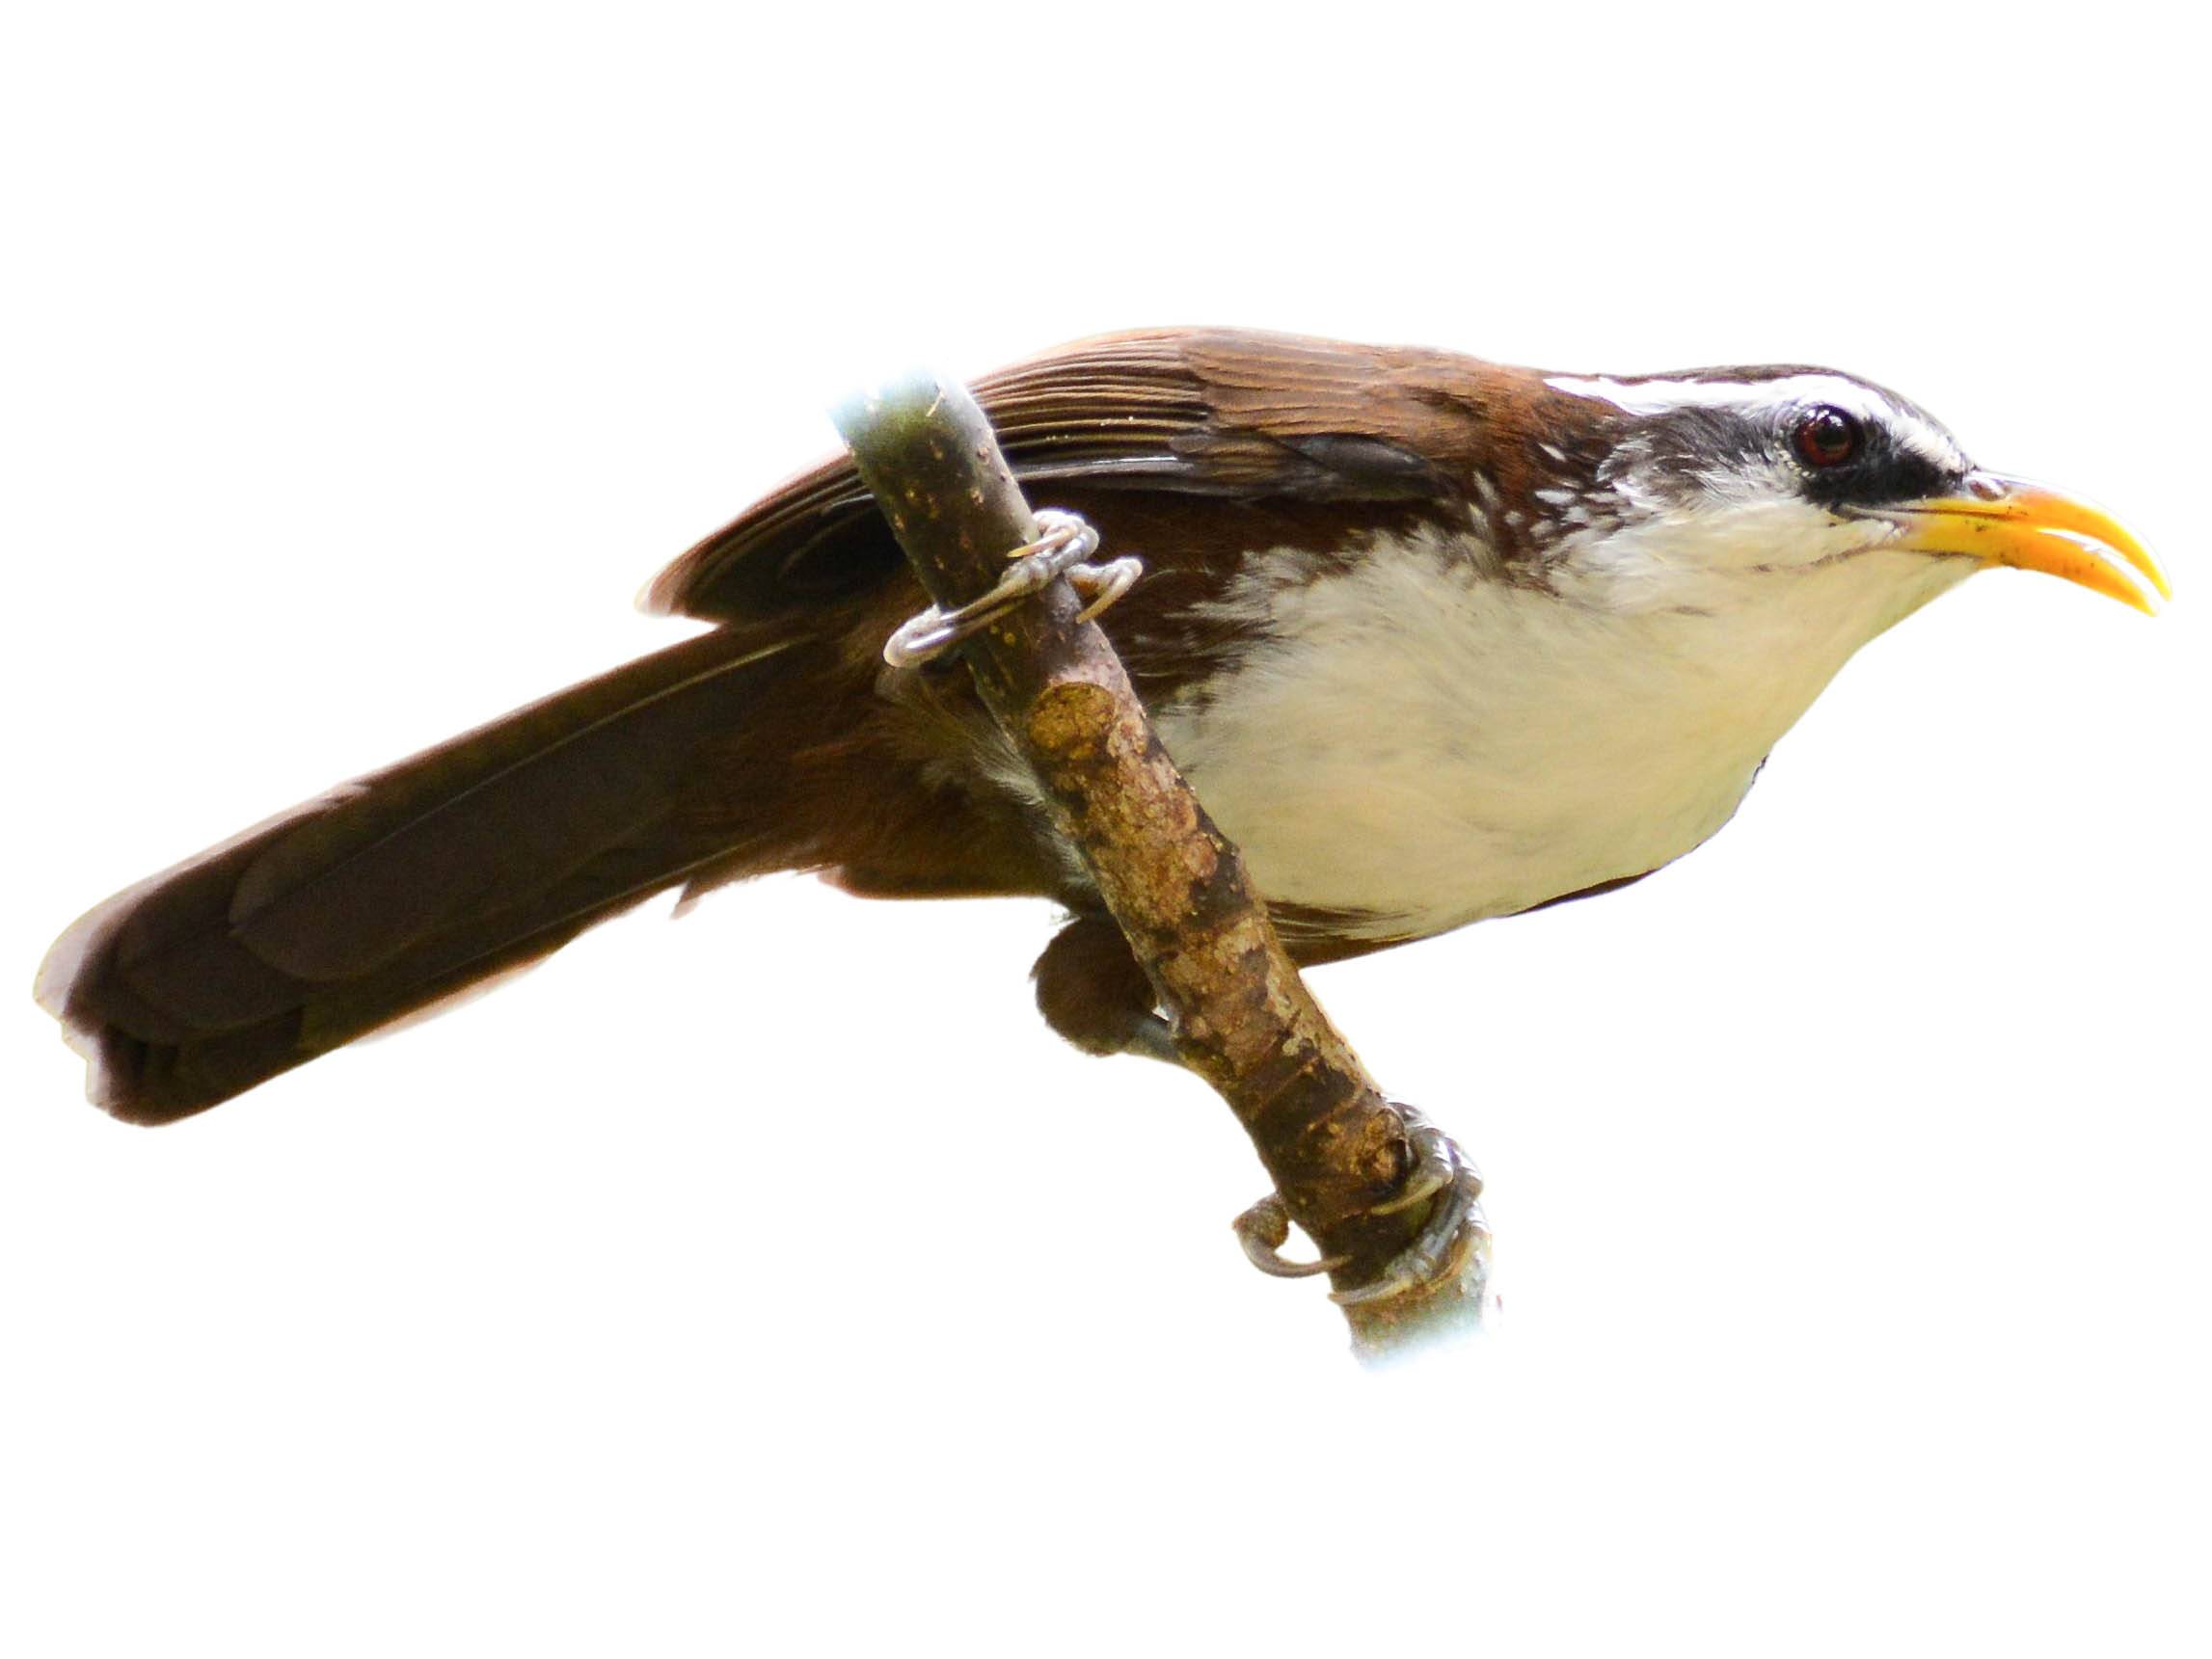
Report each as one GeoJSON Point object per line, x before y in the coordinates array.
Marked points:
{"type": "Point", "coordinates": [1188, 412]}
{"type": "Point", "coordinates": [749, 748]}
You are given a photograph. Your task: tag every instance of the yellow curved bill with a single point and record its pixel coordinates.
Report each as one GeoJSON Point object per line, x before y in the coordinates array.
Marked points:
{"type": "Point", "coordinates": [2010, 522]}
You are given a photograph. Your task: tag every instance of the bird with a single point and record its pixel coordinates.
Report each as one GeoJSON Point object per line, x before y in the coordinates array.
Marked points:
{"type": "Point", "coordinates": [1434, 639]}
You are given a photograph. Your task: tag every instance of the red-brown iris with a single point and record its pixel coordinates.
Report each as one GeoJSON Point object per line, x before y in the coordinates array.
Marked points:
{"type": "Point", "coordinates": [1827, 437]}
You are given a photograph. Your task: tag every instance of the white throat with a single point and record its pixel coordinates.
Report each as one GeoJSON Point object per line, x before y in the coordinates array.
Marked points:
{"type": "Point", "coordinates": [1427, 746]}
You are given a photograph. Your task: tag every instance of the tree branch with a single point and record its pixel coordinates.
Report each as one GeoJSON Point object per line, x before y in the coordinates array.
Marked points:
{"type": "Point", "coordinates": [1243, 1020]}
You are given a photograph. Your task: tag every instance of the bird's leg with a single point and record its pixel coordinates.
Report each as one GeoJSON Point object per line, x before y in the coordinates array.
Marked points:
{"type": "Point", "coordinates": [1091, 991]}
{"type": "Point", "coordinates": [1150, 1035]}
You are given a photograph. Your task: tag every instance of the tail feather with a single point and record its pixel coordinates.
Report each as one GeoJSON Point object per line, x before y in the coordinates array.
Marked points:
{"type": "Point", "coordinates": [399, 891]}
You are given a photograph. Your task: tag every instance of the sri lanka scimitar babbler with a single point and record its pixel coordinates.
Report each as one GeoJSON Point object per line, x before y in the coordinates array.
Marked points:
{"type": "Point", "coordinates": [1434, 639]}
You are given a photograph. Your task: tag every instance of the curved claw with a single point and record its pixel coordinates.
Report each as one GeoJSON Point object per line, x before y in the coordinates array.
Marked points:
{"type": "Point", "coordinates": [1436, 1162]}
{"type": "Point", "coordinates": [1101, 585]}
{"type": "Point", "coordinates": [1263, 1230]}
{"type": "Point", "coordinates": [1452, 1224]}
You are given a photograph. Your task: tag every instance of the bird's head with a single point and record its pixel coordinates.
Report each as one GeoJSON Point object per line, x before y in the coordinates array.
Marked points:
{"type": "Point", "coordinates": [1720, 486]}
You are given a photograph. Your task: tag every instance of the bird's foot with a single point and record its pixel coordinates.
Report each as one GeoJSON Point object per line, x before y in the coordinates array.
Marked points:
{"type": "Point", "coordinates": [1440, 1177]}
{"type": "Point", "coordinates": [1263, 1230]}
{"type": "Point", "coordinates": [1151, 1036]}
{"type": "Point", "coordinates": [1065, 544]}
{"type": "Point", "coordinates": [1451, 1186]}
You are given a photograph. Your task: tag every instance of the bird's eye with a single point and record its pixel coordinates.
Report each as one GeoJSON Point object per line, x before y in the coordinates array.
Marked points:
{"type": "Point", "coordinates": [1827, 437]}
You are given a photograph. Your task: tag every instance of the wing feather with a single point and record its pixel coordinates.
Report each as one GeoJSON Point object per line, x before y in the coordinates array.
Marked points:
{"type": "Point", "coordinates": [1213, 412]}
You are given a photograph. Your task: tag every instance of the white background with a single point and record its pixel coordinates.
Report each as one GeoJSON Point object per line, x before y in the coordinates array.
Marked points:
{"type": "Point", "coordinates": [1847, 1176]}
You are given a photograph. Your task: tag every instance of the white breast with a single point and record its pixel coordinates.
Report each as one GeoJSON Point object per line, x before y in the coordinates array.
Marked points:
{"type": "Point", "coordinates": [1429, 746]}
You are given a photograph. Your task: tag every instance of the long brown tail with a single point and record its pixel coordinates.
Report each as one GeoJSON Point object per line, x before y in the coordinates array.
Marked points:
{"type": "Point", "coordinates": [387, 895]}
